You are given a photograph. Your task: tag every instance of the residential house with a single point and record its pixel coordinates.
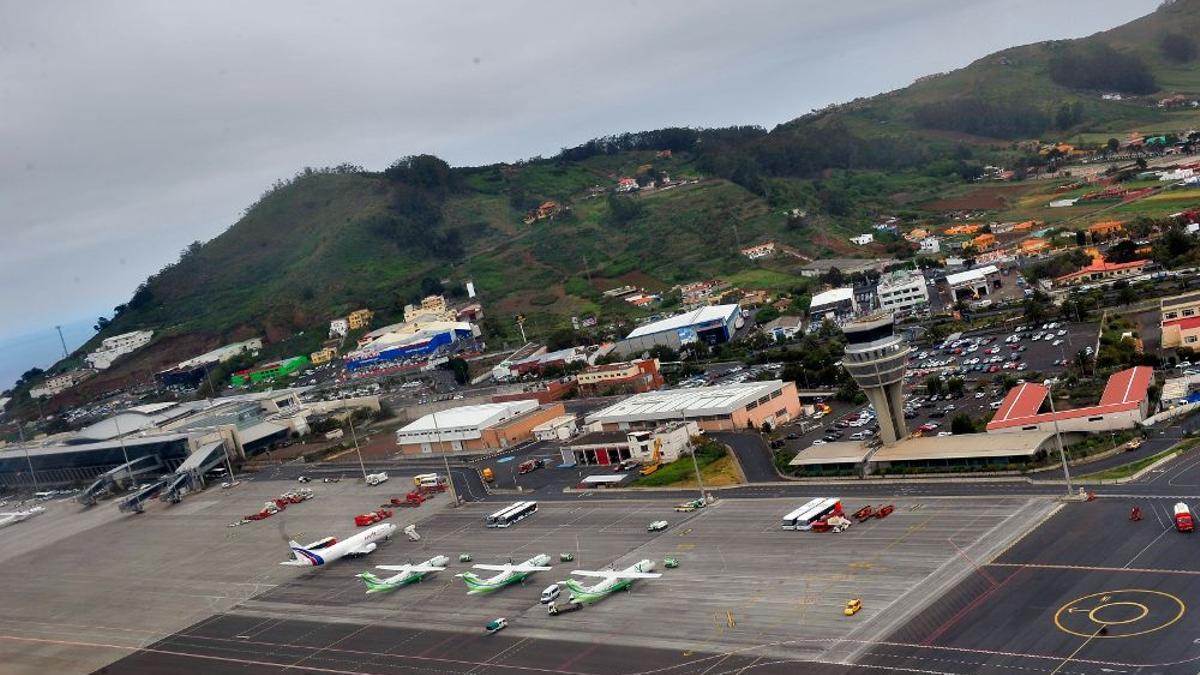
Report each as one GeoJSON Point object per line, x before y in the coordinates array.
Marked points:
{"type": "Point", "coordinates": [983, 242]}
{"type": "Point", "coordinates": [931, 245]}
{"type": "Point", "coordinates": [627, 184]}
{"type": "Point", "coordinates": [863, 239]}
{"type": "Point", "coordinates": [339, 327]}
{"type": "Point", "coordinates": [1032, 246]}
{"type": "Point", "coordinates": [759, 251]}
{"type": "Point", "coordinates": [1100, 270]}
{"type": "Point", "coordinates": [361, 318]}
{"type": "Point", "coordinates": [1105, 230]}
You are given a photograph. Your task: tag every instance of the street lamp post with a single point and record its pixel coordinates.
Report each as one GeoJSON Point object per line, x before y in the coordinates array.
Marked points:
{"type": "Point", "coordinates": [124, 451]}
{"type": "Point", "coordinates": [695, 462]}
{"type": "Point", "coordinates": [445, 459]}
{"type": "Point", "coordinates": [358, 451]}
{"type": "Point", "coordinates": [1062, 454]}
{"type": "Point", "coordinates": [28, 459]}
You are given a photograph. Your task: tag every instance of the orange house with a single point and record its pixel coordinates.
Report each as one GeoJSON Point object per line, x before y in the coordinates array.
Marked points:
{"type": "Point", "coordinates": [1104, 230]}
{"type": "Point", "coordinates": [1025, 226]}
{"type": "Point", "coordinates": [1033, 246]}
{"type": "Point", "coordinates": [984, 242]}
{"type": "Point", "coordinates": [963, 229]}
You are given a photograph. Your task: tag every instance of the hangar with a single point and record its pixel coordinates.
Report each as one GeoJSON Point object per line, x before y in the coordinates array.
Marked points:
{"type": "Point", "coordinates": [726, 407]}
{"type": "Point", "coordinates": [707, 325]}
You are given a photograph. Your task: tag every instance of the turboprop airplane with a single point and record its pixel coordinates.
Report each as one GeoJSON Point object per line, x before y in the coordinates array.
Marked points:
{"type": "Point", "coordinates": [407, 574]}
{"type": "Point", "coordinates": [327, 550]}
{"type": "Point", "coordinates": [17, 516]}
{"type": "Point", "coordinates": [613, 581]}
{"type": "Point", "coordinates": [508, 574]}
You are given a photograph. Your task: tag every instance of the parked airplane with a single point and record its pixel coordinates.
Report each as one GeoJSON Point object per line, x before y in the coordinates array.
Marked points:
{"type": "Point", "coordinates": [17, 516]}
{"type": "Point", "coordinates": [613, 581]}
{"type": "Point", "coordinates": [407, 574]}
{"type": "Point", "coordinates": [508, 574]}
{"type": "Point", "coordinates": [327, 550]}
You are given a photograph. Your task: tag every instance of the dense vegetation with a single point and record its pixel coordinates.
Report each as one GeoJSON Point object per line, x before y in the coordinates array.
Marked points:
{"type": "Point", "coordinates": [1098, 66]}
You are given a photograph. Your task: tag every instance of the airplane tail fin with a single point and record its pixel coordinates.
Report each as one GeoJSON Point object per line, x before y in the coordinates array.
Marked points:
{"type": "Point", "coordinates": [373, 583]}
{"type": "Point", "coordinates": [302, 557]}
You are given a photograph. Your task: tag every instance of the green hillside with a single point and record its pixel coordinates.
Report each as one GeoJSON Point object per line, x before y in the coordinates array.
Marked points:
{"type": "Point", "coordinates": [328, 241]}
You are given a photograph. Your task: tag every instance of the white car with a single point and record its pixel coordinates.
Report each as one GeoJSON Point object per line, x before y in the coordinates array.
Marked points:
{"type": "Point", "coordinates": [656, 526]}
{"type": "Point", "coordinates": [979, 394]}
{"type": "Point", "coordinates": [819, 441]}
{"type": "Point", "coordinates": [1057, 343]}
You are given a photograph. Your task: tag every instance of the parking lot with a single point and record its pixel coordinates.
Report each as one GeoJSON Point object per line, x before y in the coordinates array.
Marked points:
{"type": "Point", "coordinates": [980, 397]}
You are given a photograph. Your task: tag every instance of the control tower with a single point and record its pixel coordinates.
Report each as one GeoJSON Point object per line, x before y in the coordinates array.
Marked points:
{"type": "Point", "coordinates": [876, 358]}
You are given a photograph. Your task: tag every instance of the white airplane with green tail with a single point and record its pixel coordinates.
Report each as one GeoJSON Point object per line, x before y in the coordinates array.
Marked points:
{"type": "Point", "coordinates": [508, 574]}
{"type": "Point", "coordinates": [406, 574]}
{"type": "Point", "coordinates": [612, 581]}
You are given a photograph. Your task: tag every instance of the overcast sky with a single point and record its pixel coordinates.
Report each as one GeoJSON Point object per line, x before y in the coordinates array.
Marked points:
{"type": "Point", "coordinates": [130, 129]}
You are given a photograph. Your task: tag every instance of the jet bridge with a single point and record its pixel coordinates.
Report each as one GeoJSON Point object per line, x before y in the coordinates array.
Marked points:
{"type": "Point", "coordinates": [109, 481]}
{"type": "Point", "coordinates": [134, 501]}
{"type": "Point", "coordinates": [190, 474]}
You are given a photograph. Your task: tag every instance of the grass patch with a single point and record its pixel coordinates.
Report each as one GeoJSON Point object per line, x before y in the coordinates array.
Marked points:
{"type": "Point", "coordinates": [681, 472]}
{"type": "Point", "coordinates": [1127, 470]}
{"type": "Point", "coordinates": [763, 279]}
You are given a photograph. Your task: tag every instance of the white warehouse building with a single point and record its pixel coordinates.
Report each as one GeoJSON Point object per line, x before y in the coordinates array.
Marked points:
{"type": "Point", "coordinates": [118, 345]}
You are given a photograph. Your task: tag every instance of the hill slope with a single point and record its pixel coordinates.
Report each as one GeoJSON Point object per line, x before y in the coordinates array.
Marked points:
{"type": "Point", "coordinates": [329, 241]}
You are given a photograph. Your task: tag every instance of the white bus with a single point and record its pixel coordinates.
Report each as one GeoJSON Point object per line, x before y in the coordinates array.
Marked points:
{"type": "Point", "coordinates": [511, 514]}
{"type": "Point", "coordinates": [823, 508]}
{"type": "Point", "coordinates": [428, 480]}
{"type": "Point", "coordinates": [789, 521]}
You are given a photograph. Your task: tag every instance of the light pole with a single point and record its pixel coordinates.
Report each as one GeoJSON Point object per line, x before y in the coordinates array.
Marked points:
{"type": "Point", "coordinates": [354, 439]}
{"type": "Point", "coordinates": [446, 459]}
{"type": "Point", "coordinates": [1058, 437]}
{"type": "Point", "coordinates": [124, 451]}
{"type": "Point", "coordinates": [28, 459]}
{"type": "Point", "coordinates": [695, 462]}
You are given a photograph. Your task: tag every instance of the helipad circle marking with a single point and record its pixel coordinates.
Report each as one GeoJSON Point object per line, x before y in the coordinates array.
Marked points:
{"type": "Point", "coordinates": [1094, 606]}
{"type": "Point", "coordinates": [1145, 611]}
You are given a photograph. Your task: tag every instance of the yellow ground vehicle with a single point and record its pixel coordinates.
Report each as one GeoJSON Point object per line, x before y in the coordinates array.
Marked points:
{"type": "Point", "coordinates": [853, 607]}
{"type": "Point", "coordinates": [488, 474]}
{"type": "Point", "coordinates": [655, 459]}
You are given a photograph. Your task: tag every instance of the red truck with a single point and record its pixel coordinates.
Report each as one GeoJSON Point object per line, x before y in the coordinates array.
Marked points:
{"type": "Point", "coordinates": [365, 519]}
{"type": "Point", "coordinates": [1183, 518]}
{"type": "Point", "coordinates": [413, 498]}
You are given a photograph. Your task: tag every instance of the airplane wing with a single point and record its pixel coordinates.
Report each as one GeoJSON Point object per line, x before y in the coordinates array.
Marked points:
{"type": "Point", "coordinates": [411, 568]}
{"type": "Point", "coordinates": [610, 574]}
{"type": "Point", "coordinates": [512, 568]}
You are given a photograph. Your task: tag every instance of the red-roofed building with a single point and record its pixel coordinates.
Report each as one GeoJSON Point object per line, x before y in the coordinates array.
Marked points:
{"type": "Point", "coordinates": [633, 377]}
{"type": "Point", "coordinates": [1100, 270]}
{"type": "Point", "coordinates": [1124, 403]}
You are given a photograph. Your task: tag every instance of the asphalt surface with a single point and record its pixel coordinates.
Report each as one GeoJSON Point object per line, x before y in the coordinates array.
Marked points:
{"type": "Point", "coordinates": [241, 645]}
{"type": "Point", "coordinates": [1057, 602]}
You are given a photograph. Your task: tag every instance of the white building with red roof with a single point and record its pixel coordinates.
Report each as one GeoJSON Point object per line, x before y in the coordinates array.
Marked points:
{"type": "Point", "coordinates": [1123, 405]}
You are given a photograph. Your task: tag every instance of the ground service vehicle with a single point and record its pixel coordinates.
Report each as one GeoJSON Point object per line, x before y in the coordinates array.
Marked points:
{"type": "Point", "coordinates": [496, 625]}
{"type": "Point", "coordinates": [655, 458]}
{"type": "Point", "coordinates": [1183, 518]}
{"type": "Point", "coordinates": [550, 594]}
{"type": "Point", "coordinates": [554, 609]}
{"type": "Point", "coordinates": [853, 607]}
{"type": "Point", "coordinates": [670, 562]}
{"type": "Point", "coordinates": [413, 498]}
{"type": "Point", "coordinates": [690, 506]}
{"type": "Point", "coordinates": [376, 478]}
{"type": "Point", "coordinates": [488, 474]}
{"type": "Point", "coordinates": [657, 526]}
{"type": "Point", "coordinates": [511, 514]}
{"type": "Point", "coordinates": [428, 479]}
{"type": "Point", "coordinates": [526, 466]}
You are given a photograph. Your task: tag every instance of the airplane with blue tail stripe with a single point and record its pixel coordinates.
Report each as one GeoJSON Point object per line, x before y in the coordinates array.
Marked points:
{"type": "Point", "coordinates": [327, 550]}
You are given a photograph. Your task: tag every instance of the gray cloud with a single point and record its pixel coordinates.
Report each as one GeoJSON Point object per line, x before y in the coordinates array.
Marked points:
{"type": "Point", "coordinates": [132, 128]}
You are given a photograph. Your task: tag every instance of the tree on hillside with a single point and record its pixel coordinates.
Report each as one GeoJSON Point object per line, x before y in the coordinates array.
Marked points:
{"type": "Point", "coordinates": [1035, 307]}
{"type": "Point", "coordinates": [962, 424]}
{"type": "Point", "coordinates": [933, 385]}
{"type": "Point", "coordinates": [1177, 47]}
{"type": "Point", "coordinates": [955, 386]}
{"type": "Point", "coordinates": [1113, 145]}
{"type": "Point", "coordinates": [101, 324]}
{"type": "Point", "coordinates": [1122, 251]}
{"type": "Point", "coordinates": [1100, 67]}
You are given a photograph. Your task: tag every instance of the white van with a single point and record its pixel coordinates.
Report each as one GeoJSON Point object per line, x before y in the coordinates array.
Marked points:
{"type": "Point", "coordinates": [550, 594]}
